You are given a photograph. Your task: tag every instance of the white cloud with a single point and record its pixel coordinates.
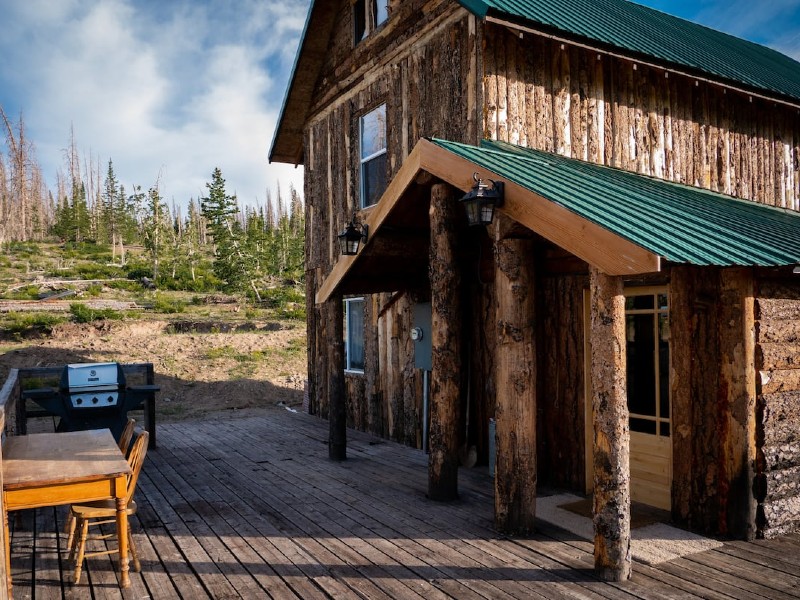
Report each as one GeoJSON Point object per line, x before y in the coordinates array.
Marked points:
{"type": "Point", "coordinates": [167, 90]}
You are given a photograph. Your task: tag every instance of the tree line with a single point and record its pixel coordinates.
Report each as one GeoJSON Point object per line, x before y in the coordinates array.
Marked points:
{"type": "Point", "coordinates": [216, 244]}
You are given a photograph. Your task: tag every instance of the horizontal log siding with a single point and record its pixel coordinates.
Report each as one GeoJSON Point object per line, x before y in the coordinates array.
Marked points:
{"type": "Point", "coordinates": [554, 97]}
{"type": "Point", "coordinates": [419, 64]}
{"type": "Point", "coordinates": [778, 412]}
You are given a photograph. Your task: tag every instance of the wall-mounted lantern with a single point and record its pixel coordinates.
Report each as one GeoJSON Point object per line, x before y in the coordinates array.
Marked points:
{"type": "Point", "coordinates": [352, 236]}
{"type": "Point", "coordinates": [481, 200]}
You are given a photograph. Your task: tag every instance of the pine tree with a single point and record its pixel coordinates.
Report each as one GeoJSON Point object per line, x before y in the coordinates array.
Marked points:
{"type": "Point", "coordinates": [154, 226]}
{"type": "Point", "coordinates": [233, 262]}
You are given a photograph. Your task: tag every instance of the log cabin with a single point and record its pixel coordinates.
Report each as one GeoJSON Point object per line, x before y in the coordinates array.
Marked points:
{"type": "Point", "coordinates": [627, 325]}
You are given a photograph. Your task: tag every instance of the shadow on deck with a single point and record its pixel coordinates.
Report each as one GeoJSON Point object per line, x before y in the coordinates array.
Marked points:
{"type": "Point", "coordinates": [252, 508]}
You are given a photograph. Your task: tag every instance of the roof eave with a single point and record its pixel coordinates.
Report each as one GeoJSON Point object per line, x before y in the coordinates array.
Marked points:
{"type": "Point", "coordinates": [287, 141]}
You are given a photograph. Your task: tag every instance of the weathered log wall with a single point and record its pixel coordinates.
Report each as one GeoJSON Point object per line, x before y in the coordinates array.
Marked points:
{"type": "Point", "coordinates": [698, 427]}
{"type": "Point", "coordinates": [778, 412]}
{"type": "Point", "coordinates": [416, 64]}
{"type": "Point", "coordinates": [561, 98]}
{"type": "Point", "coordinates": [561, 399]}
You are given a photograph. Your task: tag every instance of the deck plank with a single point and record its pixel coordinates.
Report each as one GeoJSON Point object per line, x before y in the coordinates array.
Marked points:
{"type": "Point", "coordinates": [252, 508]}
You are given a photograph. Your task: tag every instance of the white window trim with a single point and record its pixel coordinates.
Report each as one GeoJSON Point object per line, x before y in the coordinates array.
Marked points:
{"type": "Point", "coordinates": [362, 195]}
{"type": "Point", "coordinates": [347, 368]}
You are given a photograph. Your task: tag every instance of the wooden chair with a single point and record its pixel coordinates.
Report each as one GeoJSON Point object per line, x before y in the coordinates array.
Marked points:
{"type": "Point", "coordinates": [127, 436]}
{"type": "Point", "coordinates": [103, 512]}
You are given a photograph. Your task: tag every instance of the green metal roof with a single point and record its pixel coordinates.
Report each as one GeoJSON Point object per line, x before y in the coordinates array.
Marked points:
{"type": "Point", "coordinates": [680, 223]}
{"type": "Point", "coordinates": [651, 33]}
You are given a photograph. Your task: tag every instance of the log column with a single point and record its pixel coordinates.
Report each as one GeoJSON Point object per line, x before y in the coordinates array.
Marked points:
{"type": "Point", "coordinates": [515, 410]}
{"type": "Point", "coordinates": [737, 404]}
{"type": "Point", "coordinates": [446, 341]}
{"type": "Point", "coordinates": [337, 408]}
{"type": "Point", "coordinates": [612, 480]}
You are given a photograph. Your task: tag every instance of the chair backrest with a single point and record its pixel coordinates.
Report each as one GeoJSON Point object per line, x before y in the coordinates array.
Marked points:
{"type": "Point", "coordinates": [135, 461]}
{"type": "Point", "coordinates": [127, 436]}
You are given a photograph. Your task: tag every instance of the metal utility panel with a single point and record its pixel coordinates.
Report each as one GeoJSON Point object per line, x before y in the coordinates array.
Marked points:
{"type": "Point", "coordinates": [421, 334]}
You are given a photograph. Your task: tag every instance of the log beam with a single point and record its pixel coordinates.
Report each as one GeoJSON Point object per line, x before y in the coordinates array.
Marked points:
{"type": "Point", "coordinates": [446, 341]}
{"type": "Point", "coordinates": [612, 493]}
{"type": "Point", "coordinates": [515, 411]}
{"type": "Point", "coordinates": [337, 408]}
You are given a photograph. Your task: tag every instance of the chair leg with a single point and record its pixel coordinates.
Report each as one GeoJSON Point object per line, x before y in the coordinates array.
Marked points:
{"type": "Point", "coordinates": [84, 526]}
{"type": "Point", "coordinates": [74, 538]}
{"type": "Point", "coordinates": [137, 566]}
{"type": "Point", "coordinates": [70, 531]}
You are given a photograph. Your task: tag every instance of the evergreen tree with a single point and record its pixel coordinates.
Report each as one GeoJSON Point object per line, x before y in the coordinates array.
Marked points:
{"type": "Point", "coordinates": [154, 226]}
{"type": "Point", "coordinates": [233, 261]}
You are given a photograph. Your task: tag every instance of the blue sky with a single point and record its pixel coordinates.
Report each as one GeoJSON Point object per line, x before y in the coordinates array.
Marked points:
{"type": "Point", "coordinates": [170, 89]}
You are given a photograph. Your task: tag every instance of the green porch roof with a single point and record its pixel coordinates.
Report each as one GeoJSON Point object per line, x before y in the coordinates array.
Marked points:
{"type": "Point", "coordinates": [651, 33]}
{"type": "Point", "coordinates": [680, 223]}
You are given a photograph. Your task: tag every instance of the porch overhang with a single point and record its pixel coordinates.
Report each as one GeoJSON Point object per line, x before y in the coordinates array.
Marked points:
{"type": "Point", "coordinates": [622, 223]}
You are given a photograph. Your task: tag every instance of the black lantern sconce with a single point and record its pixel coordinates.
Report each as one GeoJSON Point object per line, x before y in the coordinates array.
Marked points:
{"type": "Point", "coordinates": [481, 200]}
{"type": "Point", "coordinates": [352, 236]}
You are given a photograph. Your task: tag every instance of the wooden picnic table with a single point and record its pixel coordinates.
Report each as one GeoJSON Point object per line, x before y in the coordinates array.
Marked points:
{"type": "Point", "coordinates": [50, 469]}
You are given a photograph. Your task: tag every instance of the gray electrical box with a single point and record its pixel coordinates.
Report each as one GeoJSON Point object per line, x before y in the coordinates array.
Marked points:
{"type": "Point", "coordinates": [421, 334]}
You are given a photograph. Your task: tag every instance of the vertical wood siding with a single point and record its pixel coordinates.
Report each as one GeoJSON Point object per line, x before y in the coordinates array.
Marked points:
{"type": "Point", "coordinates": [611, 111]}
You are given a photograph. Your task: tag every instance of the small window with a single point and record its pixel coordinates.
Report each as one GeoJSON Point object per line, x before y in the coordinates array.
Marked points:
{"type": "Point", "coordinates": [373, 155]}
{"type": "Point", "coordinates": [359, 20]}
{"type": "Point", "coordinates": [354, 335]}
{"type": "Point", "coordinates": [380, 8]}
{"type": "Point", "coordinates": [368, 15]}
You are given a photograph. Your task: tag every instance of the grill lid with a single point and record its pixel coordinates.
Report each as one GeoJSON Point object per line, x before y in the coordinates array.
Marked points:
{"type": "Point", "coordinates": [82, 376]}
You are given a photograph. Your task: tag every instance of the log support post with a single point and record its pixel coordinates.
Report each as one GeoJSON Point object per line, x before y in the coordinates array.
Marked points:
{"type": "Point", "coordinates": [337, 408]}
{"type": "Point", "coordinates": [612, 495]}
{"type": "Point", "coordinates": [737, 404]}
{"type": "Point", "coordinates": [515, 410]}
{"type": "Point", "coordinates": [446, 329]}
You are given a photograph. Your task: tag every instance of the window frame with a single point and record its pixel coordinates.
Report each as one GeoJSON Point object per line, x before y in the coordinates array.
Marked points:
{"type": "Point", "coordinates": [365, 160]}
{"type": "Point", "coordinates": [657, 312]}
{"type": "Point", "coordinates": [348, 367]}
{"type": "Point", "coordinates": [365, 18]}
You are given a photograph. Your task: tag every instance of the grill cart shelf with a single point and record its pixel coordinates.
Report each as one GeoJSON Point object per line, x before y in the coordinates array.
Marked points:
{"type": "Point", "coordinates": [90, 396]}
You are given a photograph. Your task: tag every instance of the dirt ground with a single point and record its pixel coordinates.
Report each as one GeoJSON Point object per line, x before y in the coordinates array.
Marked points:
{"type": "Point", "coordinates": [202, 368]}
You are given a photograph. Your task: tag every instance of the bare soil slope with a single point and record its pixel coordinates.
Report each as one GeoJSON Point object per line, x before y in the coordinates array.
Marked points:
{"type": "Point", "coordinates": [202, 369]}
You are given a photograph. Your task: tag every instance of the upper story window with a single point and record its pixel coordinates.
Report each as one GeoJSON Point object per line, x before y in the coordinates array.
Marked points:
{"type": "Point", "coordinates": [354, 335]}
{"type": "Point", "coordinates": [373, 155]}
{"type": "Point", "coordinates": [368, 15]}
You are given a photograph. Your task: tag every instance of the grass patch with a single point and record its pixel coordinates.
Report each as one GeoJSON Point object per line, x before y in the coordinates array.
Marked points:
{"type": "Point", "coordinates": [232, 353]}
{"type": "Point", "coordinates": [84, 314]}
{"type": "Point", "coordinates": [168, 305]}
{"type": "Point", "coordinates": [19, 324]}
{"type": "Point", "coordinates": [29, 292]}
{"type": "Point", "coordinates": [281, 296]}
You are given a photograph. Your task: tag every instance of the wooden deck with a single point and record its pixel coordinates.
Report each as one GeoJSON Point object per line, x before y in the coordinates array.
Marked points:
{"type": "Point", "coordinates": [252, 508]}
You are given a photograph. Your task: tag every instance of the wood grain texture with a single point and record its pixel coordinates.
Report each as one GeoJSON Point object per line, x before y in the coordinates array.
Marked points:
{"type": "Point", "coordinates": [612, 499]}
{"type": "Point", "coordinates": [516, 408]}
{"type": "Point", "coordinates": [446, 376]}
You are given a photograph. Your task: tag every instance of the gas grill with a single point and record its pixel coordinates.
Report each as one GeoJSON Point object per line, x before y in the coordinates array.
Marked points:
{"type": "Point", "coordinates": [91, 396]}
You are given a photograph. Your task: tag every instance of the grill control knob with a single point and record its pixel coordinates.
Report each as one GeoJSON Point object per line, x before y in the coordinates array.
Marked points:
{"type": "Point", "coordinates": [78, 400]}
{"type": "Point", "coordinates": [95, 400]}
{"type": "Point", "coordinates": [110, 399]}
